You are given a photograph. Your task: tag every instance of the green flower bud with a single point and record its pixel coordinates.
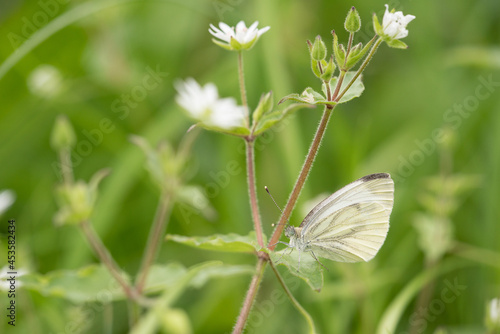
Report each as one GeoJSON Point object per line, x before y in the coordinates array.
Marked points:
{"type": "Point", "coordinates": [338, 51]}
{"type": "Point", "coordinates": [318, 51]}
{"type": "Point", "coordinates": [328, 70]}
{"type": "Point", "coordinates": [353, 21]}
{"type": "Point", "coordinates": [63, 136]}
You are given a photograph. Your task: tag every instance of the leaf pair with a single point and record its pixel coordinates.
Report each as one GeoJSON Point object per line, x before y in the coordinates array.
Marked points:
{"type": "Point", "coordinates": [234, 243]}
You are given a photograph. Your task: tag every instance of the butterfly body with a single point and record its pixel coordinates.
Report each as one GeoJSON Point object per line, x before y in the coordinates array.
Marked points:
{"type": "Point", "coordinates": [350, 225]}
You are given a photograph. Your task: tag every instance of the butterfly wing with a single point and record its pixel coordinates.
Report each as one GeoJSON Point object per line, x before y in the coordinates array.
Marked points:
{"type": "Point", "coordinates": [353, 234]}
{"type": "Point", "coordinates": [351, 225]}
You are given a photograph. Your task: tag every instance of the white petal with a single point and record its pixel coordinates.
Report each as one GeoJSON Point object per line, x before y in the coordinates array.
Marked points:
{"type": "Point", "coordinates": [226, 29]}
{"type": "Point", "coordinates": [408, 18]}
{"type": "Point", "coordinates": [254, 25]}
{"type": "Point", "coordinates": [263, 30]}
{"type": "Point", "coordinates": [387, 16]}
{"type": "Point", "coordinates": [7, 197]}
{"type": "Point", "coordinates": [241, 26]}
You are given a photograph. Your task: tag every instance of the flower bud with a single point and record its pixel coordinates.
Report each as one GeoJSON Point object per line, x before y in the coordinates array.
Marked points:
{"type": "Point", "coordinates": [63, 136]}
{"type": "Point", "coordinates": [353, 21]}
{"type": "Point", "coordinates": [318, 51]}
{"type": "Point", "coordinates": [338, 51]}
{"type": "Point", "coordinates": [328, 70]}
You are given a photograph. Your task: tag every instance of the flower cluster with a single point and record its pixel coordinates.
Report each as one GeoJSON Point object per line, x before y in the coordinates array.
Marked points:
{"type": "Point", "coordinates": [393, 27]}
{"type": "Point", "coordinates": [394, 24]}
{"type": "Point", "coordinates": [239, 38]}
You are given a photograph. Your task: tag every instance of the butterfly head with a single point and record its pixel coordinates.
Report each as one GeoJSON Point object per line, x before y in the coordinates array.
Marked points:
{"type": "Point", "coordinates": [290, 232]}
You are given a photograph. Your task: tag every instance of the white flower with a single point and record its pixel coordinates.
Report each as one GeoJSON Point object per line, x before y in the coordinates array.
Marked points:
{"type": "Point", "coordinates": [495, 311]}
{"type": "Point", "coordinates": [7, 197]}
{"type": "Point", "coordinates": [45, 81]}
{"type": "Point", "coordinates": [394, 24]}
{"type": "Point", "coordinates": [204, 105]}
{"type": "Point", "coordinates": [241, 38]}
{"type": "Point", "coordinates": [308, 97]}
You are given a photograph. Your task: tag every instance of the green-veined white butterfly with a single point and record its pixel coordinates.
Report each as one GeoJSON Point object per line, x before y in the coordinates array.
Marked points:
{"type": "Point", "coordinates": [348, 226]}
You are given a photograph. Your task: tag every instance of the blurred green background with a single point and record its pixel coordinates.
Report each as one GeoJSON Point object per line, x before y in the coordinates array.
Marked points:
{"type": "Point", "coordinates": [109, 49]}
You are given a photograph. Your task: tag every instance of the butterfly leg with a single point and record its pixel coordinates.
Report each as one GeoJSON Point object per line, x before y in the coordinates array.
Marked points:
{"type": "Point", "coordinates": [291, 249]}
{"type": "Point", "coordinates": [298, 267]}
{"type": "Point", "coordinates": [314, 256]}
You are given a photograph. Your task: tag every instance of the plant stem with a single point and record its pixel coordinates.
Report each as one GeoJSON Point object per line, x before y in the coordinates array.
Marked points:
{"type": "Point", "coordinates": [106, 258]}
{"type": "Point", "coordinates": [361, 68]}
{"type": "Point", "coordinates": [252, 190]}
{"type": "Point", "coordinates": [66, 166]}
{"type": "Point", "coordinates": [339, 84]}
{"type": "Point", "coordinates": [155, 234]}
{"type": "Point", "coordinates": [294, 301]}
{"type": "Point", "coordinates": [306, 168]}
{"type": "Point", "coordinates": [243, 91]}
{"type": "Point", "coordinates": [250, 296]}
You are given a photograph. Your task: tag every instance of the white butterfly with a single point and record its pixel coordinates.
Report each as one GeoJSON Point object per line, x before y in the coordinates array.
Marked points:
{"type": "Point", "coordinates": [349, 225]}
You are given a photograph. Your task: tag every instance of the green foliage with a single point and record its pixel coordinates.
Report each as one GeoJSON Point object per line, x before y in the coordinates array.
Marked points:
{"type": "Point", "coordinates": [353, 92]}
{"type": "Point", "coordinates": [220, 242]}
{"type": "Point", "coordinates": [77, 201]}
{"type": "Point", "coordinates": [94, 283]}
{"type": "Point", "coordinates": [103, 49]}
{"type": "Point", "coordinates": [309, 269]}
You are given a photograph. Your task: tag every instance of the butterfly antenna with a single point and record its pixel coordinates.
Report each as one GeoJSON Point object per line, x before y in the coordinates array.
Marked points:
{"type": "Point", "coordinates": [276, 205]}
{"type": "Point", "coordinates": [273, 199]}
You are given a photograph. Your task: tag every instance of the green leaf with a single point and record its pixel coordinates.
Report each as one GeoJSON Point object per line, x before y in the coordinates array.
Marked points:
{"type": "Point", "coordinates": [392, 314]}
{"type": "Point", "coordinates": [308, 96]}
{"type": "Point", "coordinates": [338, 51]}
{"type": "Point", "coordinates": [310, 270]}
{"type": "Point", "coordinates": [222, 45]}
{"type": "Point", "coordinates": [273, 118]}
{"type": "Point", "coordinates": [194, 197]}
{"type": "Point", "coordinates": [376, 26]}
{"type": "Point", "coordinates": [354, 57]}
{"type": "Point", "coordinates": [235, 44]}
{"type": "Point", "coordinates": [88, 284]}
{"type": "Point", "coordinates": [268, 121]}
{"type": "Point", "coordinates": [232, 242]}
{"type": "Point", "coordinates": [198, 274]}
{"type": "Point", "coordinates": [354, 91]}
{"type": "Point", "coordinates": [95, 283]}
{"type": "Point", "coordinates": [236, 131]}
{"type": "Point", "coordinates": [315, 68]}
{"type": "Point", "coordinates": [265, 106]}
{"type": "Point", "coordinates": [397, 44]}
{"type": "Point", "coordinates": [164, 277]}
{"type": "Point", "coordinates": [329, 69]}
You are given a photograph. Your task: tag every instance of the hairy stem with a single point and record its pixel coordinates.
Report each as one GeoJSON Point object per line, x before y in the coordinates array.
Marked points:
{"type": "Point", "coordinates": [252, 190]}
{"type": "Point", "coordinates": [294, 301]}
{"type": "Point", "coordinates": [155, 234]}
{"type": "Point", "coordinates": [243, 91]}
{"type": "Point", "coordinates": [306, 168]}
{"type": "Point", "coordinates": [361, 68]}
{"type": "Point", "coordinates": [250, 296]}
{"type": "Point", "coordinates": [106, 258]}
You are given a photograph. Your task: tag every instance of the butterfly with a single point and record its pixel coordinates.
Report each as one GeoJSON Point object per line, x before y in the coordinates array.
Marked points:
{"type": "Point", "coordinates": [348, 226]}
